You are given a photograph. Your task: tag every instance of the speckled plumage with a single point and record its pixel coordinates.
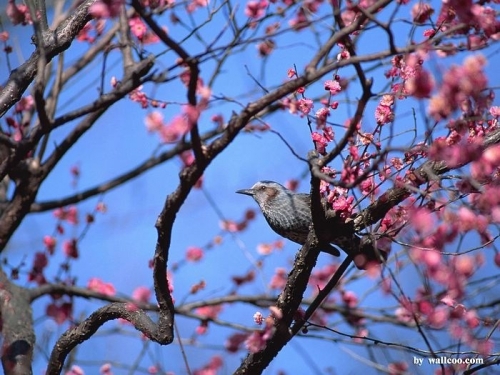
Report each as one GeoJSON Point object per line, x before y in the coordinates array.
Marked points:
{"type": "Point", "coordinates": [287, 213]}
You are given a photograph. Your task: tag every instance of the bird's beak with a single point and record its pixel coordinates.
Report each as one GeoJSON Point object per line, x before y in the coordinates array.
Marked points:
{"type": "Point", "coordinates": [246, 192]}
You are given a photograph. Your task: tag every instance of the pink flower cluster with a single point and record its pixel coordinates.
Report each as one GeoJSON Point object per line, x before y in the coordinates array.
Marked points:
{"type": "Point", "coordinates": [257, 340]}
{"type": "Point", "coordinates": [97, 285]}
{"type": "Point", "coordinates": [256, 9]}
{"type": "Point", "coordinates": [59, 311]}
{"type": "Point", "coordinates": [69, 214]}
{"type": "Point", "coordinates": [207, 313]}
{"type": "Point", "coordinates": [238, 226]}
{"type": "Point", "coordinates": [106, 8]}
{"type": "Point", "coordinates": [211, 368]}
{"type": "Point", "coordinates": [18, 14]}
{"type": "Point", "coordinates": [460, 85]}
{"type": "Point", "coordinates": [139, 29]}
{"type": "Point", "coordinates": [194, 254]}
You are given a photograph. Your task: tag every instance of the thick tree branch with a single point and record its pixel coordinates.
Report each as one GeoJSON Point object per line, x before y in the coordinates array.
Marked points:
{"type": "Point", "coordinates": [83, 331]}
{"type": "Point", "coordinates": [54, 42]}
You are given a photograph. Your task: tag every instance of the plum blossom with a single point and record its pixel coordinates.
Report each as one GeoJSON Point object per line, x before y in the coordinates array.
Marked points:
{"type": "Point", "coordinates": [194, 254]}
{"type": "Point", "coordinates": [421, 12]}
{"type": "Point", "coordinates": [305, 105]}
{"type": "Point", "coordinates": [256, 9]}
{"type": "Point", "coordinates": [70, 248]}
{"type": "Point", "coordinates": [333, 86]}
{"type": "Point", "coordinates": [234, 342]}
{"type": "Point", "coordinates": [141, 294]}
{"type": "Point", "coordinates": [106, 8]}
{"type": "Point", "coordinates": [97, 285]}
{"type": "Point", "coordinates": [211, 368]}
{"type": "Point", "coordinates": [60, 312]}
{"type": "Point", "coordinates": [18, 14]}
{"type": "Point", "coordinates": [460, 83]}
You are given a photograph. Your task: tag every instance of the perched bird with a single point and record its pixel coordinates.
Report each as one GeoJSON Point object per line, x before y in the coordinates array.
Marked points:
{"type": "Point", "coordinates": [286, 212]}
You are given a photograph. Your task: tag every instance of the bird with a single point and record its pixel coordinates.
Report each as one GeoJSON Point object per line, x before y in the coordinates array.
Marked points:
{"type": "Point", "coordinates": [287, 213]}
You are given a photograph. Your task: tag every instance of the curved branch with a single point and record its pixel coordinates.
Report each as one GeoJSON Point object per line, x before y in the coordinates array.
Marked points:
{"type": "Point", "coordinates": [86, 329]}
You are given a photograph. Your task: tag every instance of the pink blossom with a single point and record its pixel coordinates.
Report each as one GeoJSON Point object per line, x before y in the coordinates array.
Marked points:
{"type": "Point", "coordinates": [333, 86]}
{"type": "Point", "coordinates": [106, 369]}
{"type": "Point", "coordinates": [421, 12]}
{"type": "Point", "coordinates": [69, 214]}
{"type": "Point", "coordinates": [422, 221]}
{"type": "Point", "coordinates": [26, 103]}
{"type": "Point", "coordinates": [305, 105]}
{"type": "Point", "coordinates": [320, 142]}
{"type": "Point", "coordinates": [195, 4]}
{"type": "Point", "coordinates": [397, 368]}
{"type": "Point", "coordinates": [141, 294]}
{"type": "Point", "coordinates": [194, 254]}
{"type": "Point", "coordinates": [40, 261]}
{"type": "Point", "coordinates": [255, 342]}
{"type": "Point", "coordinates": [209, 312]}
{"type": "Point", "coordinates": [350, 299]}
{"type": "Point", "coordinates": [233, 343]}
{"type": "Point", "coordinates": [484, 347]}
{"type": "Point", "coordinates": [50, 243]}
{"type": "Point", "coordinates": [278, 281]}
{"type": "Point", "coordinates": [343, 206]}
{"type": "Point", "coordinates": [432, 258]}
{"type": "Point", "coordinates": [368, 186]}
{"type": "Point", "coordinates": [97, 285]}
{"type": "Point", "coordinates": [255, 9]}
{"type": "Point", "coordinates": [101, 207]}
{"type": "Point", "coordinates": [258, 318]}
{"type": "Point", "coordinates": [18, 14]}
{"type": "Point", "coordinates": [384, 115]}
{"type": "Point", "coordinates": [211, 368]}
{"type": "Point", "coordinates": [175, 129]}
{"type": "Point", "coordinates": [75, 370]}
{"type": "Point", "coordinates": [471, 319]}
{"type": "Point", "coordinates": [466, 219]}
{"type": "Point", "coordinates": [495, 111]}
{"type": "Point", "coordinates": [300, 21]}
{"type": "Point", "coordinates": [403, 315]}
{"type": "Point", "coordinates": [59, 312]}
{"type": "Point", "coordinates": [192, 114]}
{"type": "Point", "coordinates": [154, 121]}
{"type": "Point", "coordinates": [267, 248]}
{"type": "Point", "coordinates": [460, 84]}
{"type": "Point", "coordinates": [141, 32]}
{"type": "Point", "coordinates": [140, 97]}
{"type": "Point", "coordinates": [438, 317]}
{"type": "Point", "coordinates": [320, 276]}
{"type": "Point", "coordinates": [70, 249]}
{"type": "Point", "coordinates": [106, 8]}
{"type": "Point", "coordinates": [344, 55]}
{"type": "Point", "coordinates": [464, 265]}
{"type": "Point", "coordinates": [496, 259]}
{"type": "Point", "coordinates": [454, 155]}
{"type": "Point", "coordinates": [486, 18]}
{"type": "Point", "coordinates": [429, 33]}
{"type": "Point", "coordinates": [420, 85]}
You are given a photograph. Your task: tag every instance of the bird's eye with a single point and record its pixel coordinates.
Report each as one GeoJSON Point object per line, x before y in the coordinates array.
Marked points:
{"type": "Point", "coordinates": [262, 188]}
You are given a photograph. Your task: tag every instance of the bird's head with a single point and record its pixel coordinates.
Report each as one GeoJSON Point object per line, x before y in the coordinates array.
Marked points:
{"type": "Point", "coordinates": [265, 192]}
